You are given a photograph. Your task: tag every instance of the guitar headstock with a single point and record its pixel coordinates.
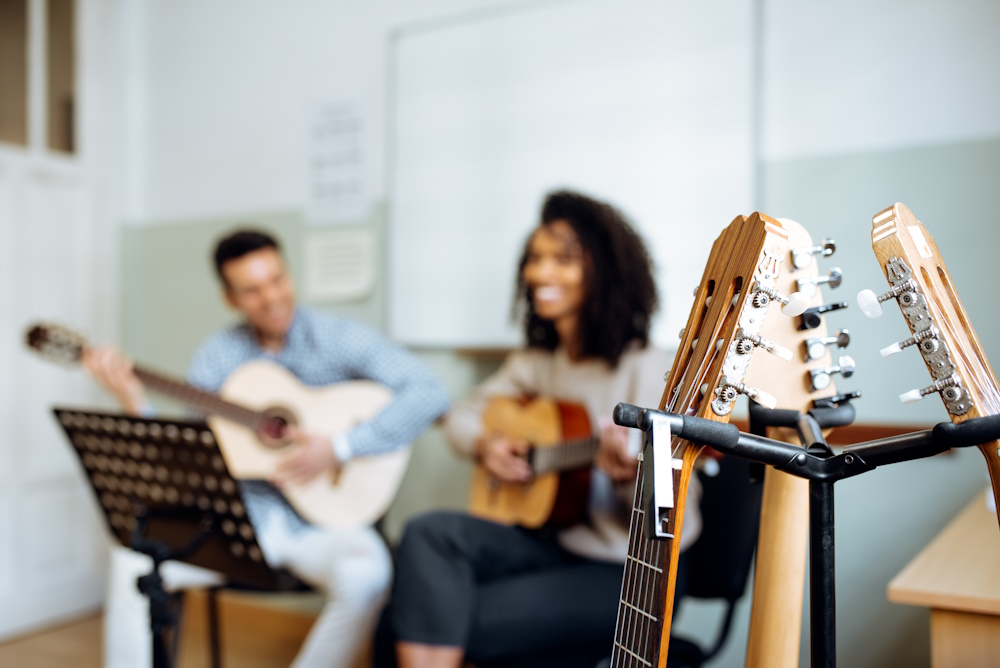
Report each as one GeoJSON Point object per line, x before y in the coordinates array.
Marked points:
{"type": "Point", "coordinates": [804, 339]}
{"type": "Point", "coordinates": [723, 330]}
{"type": "Point", "coordinates": [56, 343]}
{"type": "Point", "coordinates": [940, 328]}
{"type": "Point", "coordinates": [724, 326]}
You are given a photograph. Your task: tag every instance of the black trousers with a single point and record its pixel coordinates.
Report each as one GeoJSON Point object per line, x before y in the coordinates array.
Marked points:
{"type": "Point", "coordinates": [509, 596]}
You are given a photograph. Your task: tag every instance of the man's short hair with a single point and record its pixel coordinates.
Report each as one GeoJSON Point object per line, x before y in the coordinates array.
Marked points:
{"type": "Point", "coordinates": [239, 243]}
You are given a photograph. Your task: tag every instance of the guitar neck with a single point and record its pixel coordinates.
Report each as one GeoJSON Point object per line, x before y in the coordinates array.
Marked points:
{"type": "Point", "coordinates": [645, 608]}
{"type": "Point", "coordinates": [201, 400]}
{"type": "Point", "coordinates": [565, 456]}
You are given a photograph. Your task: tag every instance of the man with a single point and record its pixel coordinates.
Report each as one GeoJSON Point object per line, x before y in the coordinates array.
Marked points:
{"type": "Point", "coordinates": [351, 565]}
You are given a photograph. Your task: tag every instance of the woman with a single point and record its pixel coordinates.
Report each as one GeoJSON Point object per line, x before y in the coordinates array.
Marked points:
{"type": "Point", "coordinates": [472, 590]}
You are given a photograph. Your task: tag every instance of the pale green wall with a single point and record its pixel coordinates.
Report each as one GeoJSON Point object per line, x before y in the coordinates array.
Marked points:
{"type": "Point", "coordinates": [171, 301]}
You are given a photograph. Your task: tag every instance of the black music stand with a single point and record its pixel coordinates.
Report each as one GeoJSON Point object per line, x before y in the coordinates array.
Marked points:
{"type": "Point", "coordinates": [166, 492]}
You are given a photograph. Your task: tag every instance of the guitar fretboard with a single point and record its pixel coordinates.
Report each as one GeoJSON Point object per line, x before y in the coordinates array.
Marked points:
{"type": "Point", "coordinates": [641, 605]}
{"type": "Point", "coordinates": [564, 456]}
{"type": "Point", "coordinates": [205, 402]}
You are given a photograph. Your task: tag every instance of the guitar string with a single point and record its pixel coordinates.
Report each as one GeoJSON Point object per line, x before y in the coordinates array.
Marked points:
{"type": "Point", "coordinates": [565, 455]}
{"type": "Point", "coordinates": [200, 398]}
{"type": "Point", "coordinates": [619, 657]}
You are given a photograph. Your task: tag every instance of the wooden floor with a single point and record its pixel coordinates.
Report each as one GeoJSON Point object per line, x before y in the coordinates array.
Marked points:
{"type": "Point", "coordinates": [253, 635]}
{"type": "Point", "coordinates": [74, 644]}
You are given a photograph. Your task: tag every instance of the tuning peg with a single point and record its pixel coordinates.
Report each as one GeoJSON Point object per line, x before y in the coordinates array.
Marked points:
{"type": "Point", "coordinates": [794, 304]}
{"type": "Point", "coordinates": [836, 400]}
{"type": "Point", "coordinates": [811, 317]}
{"type": "Point", "coordinates": [729, 390]}
{"type": "Point", "coordinates": [833, 279]}
{"type": "Point", "coordinates": [801, 256]}
{"type": "Point", "coordinates": [948, 387]}
{"type": "Point", "coordinates": [821, 377]}
{"type": "Point", "coordinates": [871, 304]}
{"type": "Point", "coordinates": [816, 347]}
{"type": "Point", "coordinates": [746, 343]}
{"type": "Point", "coordinates": [927, 338]}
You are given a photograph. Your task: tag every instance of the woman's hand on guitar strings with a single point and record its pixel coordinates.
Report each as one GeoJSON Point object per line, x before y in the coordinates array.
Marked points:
{"type": "Point", "coordinates": [114, 371]}
{"type": "Point", "coordinates": [614, 457]}
{"type": "Point", "coordinates": [310, 456]}
{"type": "Point", "coordinates": [505, 457]}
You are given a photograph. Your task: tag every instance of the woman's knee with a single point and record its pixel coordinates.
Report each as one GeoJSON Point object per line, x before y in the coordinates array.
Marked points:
{"type": "Point", "coordinates": [435, 531]}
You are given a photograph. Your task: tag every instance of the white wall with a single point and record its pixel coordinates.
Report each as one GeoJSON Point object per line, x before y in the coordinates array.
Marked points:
{"type": "Point", "coordinates": [219, 94]}
{"type": "Point", "coordinates": [860, 76]}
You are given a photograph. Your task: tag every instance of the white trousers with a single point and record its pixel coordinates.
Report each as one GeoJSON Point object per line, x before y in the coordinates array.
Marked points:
{"type": "Point", "coordinates": [352, 566]}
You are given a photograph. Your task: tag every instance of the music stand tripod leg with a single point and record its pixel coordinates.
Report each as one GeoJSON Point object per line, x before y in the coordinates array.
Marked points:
{"type": "Point", "coordinates": [162, 616]}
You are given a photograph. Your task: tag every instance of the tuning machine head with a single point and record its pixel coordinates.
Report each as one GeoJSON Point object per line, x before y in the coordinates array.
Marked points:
{"type": "Point", "coordinates": [728, 390]}
{"type": "Point", "coordinates": [816, 347]}
{"type": "Point", "coordinates": [821, 378]}
{"type": "Point", "coordinates": [793, 304]}
{"type": "Point", "coordinates": [745, 343]}
{"type": "Point", "coordinates": [802, 256]}
{"type": "Point", "coordinates": [811, 318]}
{"type": "Point", "coordinates": [871, 303]}
{"type": "Point", "coordinates": [956, 398]}
{"type": "Point", "coordinates": [926, 339]}
{"type": "Point", "coordinates": [836, 400]}
{"type": "Point", "coordinates": [808, 284]}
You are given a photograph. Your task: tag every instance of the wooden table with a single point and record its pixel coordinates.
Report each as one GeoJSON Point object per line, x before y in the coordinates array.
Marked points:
{"type": "Point", "coordinates": [958, 577]}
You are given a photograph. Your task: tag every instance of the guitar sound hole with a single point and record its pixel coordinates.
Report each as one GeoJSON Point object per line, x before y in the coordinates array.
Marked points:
{"type": "Point", "coordinates": [274, 427]}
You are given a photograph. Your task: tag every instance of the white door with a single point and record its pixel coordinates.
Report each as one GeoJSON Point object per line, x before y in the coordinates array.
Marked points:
{"type": "Point", "coordinates": [52, 544]}
{"type": "Point", "coordinates": [53, 266]}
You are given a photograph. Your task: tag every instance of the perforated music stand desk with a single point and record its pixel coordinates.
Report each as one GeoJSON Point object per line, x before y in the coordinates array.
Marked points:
{"type": "Point", "coordinates": [166, 491]}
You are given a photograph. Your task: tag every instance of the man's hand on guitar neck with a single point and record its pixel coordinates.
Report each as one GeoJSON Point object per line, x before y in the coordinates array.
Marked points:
{"type": "Point", "coordinates": [614, 457]}
{"type": "Point", "coordinates": [311, 456]}
{"type": "Point", "coordinates": [114, 371]}
{"type": "Point", "coordinates": [505, 457]}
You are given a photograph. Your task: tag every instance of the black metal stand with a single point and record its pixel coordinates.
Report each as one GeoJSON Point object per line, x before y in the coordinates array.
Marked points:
{"type": "Point", "coordinates": [166, 492]}
{"type": "Point", "coordinates": [163, 615]}
{"type": "Point", "coordinates": [822, 569]}
{"type": "Point", "coordinates": [822, 468]}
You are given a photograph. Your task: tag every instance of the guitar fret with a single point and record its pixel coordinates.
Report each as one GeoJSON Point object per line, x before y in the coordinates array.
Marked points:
{"type": "Point", "coordinates": [639, 610]}
{"type": "Point", "coordinates": [640, 561]}
{"type": "Point", "coordinates": [632, 654]}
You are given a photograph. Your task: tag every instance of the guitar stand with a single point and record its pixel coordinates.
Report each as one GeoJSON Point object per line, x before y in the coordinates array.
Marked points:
{"type": "Point", "coordinates": [822, 468]}
{"type": "Point", "coordinates": [165, 491]}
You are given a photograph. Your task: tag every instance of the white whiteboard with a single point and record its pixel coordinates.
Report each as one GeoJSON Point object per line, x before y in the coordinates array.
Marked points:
{"type": "Point", "coordinates": [642, 103]}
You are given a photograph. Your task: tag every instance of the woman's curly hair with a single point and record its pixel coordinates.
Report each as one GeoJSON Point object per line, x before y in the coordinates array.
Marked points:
{"type": "Point", "coordinates": [621, 293]}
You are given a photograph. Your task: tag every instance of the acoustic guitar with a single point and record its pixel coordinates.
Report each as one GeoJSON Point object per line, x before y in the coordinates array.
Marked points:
{"type": "Point", "coordinates": [250, 416]}
{"type": "Point", "coordinates": [783, 536]}
{"type": "Point", "coordinates": [941, 330]}
{"type": "Point", "coordinates": [722, 332]}
{"type": "Point", "coordinates": [562, 451]}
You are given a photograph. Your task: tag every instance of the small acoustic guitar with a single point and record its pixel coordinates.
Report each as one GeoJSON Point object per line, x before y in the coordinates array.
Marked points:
{"type": "Point", "coordinates": [250, 416]}
{"type": "Point", "coordinates": [563, 448]}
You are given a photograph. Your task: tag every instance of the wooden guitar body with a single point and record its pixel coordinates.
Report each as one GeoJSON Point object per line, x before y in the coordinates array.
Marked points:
{"type": "Point", "coordinates": [550, 496]}
{"type": "Point", "coordinates": [364, 488]}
